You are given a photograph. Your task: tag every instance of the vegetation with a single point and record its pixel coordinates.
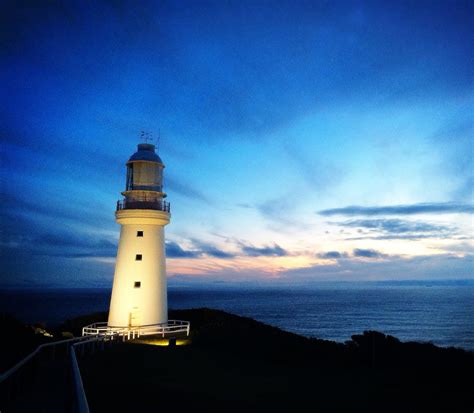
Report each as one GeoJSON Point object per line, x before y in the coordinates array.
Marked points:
{"type": "Point", "coordinates": [19, 340]}
{"type": "Point", "coordinates": [237, 363]}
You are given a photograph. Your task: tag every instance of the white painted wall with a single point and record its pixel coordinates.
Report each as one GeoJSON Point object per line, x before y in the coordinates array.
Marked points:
{"type": "Point", "coordinates": [148, 304]}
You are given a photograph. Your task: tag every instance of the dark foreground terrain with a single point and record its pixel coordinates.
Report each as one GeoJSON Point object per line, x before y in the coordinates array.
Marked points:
{"type": "Point", "coordinates": [238, 364]}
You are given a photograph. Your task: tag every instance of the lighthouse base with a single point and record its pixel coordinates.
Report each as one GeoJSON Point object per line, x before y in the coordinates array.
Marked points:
{"type": "Point", "coordinates": [126, 333]}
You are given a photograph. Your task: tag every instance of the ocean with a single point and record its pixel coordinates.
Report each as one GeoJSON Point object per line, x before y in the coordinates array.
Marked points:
{"type": "Point", "coordinates": [440, 313]}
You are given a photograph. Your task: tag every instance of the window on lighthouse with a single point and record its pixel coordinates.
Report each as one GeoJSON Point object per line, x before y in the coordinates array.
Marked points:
{"type": "Point", "coordinates": [145, 176]}
{"type": "Point", "coordinates": [139, 233]}
{"type": "Point", "coordinates": [138, 257]}
{"type": "Point", "coordinates": [137, 284]}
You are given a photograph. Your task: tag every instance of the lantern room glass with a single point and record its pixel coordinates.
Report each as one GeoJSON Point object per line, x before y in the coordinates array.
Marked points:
{"type": "Point", "coordinates": [145, 176]}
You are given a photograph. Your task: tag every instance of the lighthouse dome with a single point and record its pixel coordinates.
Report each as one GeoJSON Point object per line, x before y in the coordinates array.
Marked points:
{"type": "Point", "coordinates": [145, 152]}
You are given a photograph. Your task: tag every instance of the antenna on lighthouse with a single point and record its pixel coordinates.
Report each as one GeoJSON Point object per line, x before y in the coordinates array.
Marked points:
{"type": "Point", "coordinates": [158, 141]}
{"type": "Point", "coordinates": [146, 136]}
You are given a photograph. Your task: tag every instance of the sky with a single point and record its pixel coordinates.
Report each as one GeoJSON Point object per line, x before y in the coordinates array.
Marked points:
{"type": "Point", "coordinates": [304, 141]}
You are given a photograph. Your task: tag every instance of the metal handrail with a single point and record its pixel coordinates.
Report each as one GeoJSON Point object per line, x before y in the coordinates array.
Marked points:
{"type": "Point", "coordinates": [81, 399]}
{"type": "Point", "coordinates": [155, 204]}
{"type": "Point", "coordinates": [82, 404]}
{"type": "Point", "coordinates": [172, 326]}
{"type": "Point", "coordinates": [17, 366]}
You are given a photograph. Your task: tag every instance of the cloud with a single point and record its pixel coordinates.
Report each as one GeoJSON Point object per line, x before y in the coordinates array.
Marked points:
{"type": "Point", "coordinates": [29, 231]}
{"type": "Point", "coordinates": [367, 253]}
{"type": "Point", "coordinates": [320, 174]}
{"type": "Point", "coordinates": [185, 190]}
{"type": "Point", "coordinates": [454, 140]}
{"type": "Point", "coordinates": [332, 255]}
{"type": "Point", "coordinates": [71, 239]}
{"type": "Point", "coordinates": [272, 209]}
{"type": "Point", "coordinates": [268, 251]}
{"type": "Point", "coordinates": [211, 250]}
{"type": "Point", "coordinates": [75, 211]}
{"type": "Point", "coordinates": [72, 245]}
{"type": "Point", "coordinates": [244, 205]}
{"type": "Point", "coordinates": [276, 211]}
{"type": "Point", "coordinates": [174, 250]}
{"type": "Point", "coordinates": [396, 229]}
{"type": "Point", "coordinates": [412, 237]}
{"type": "Point", "coordinates": [200, 249]}
{"type": "Point", "coordinates": [412, 209]}
{"type": "Point", "coordinates": [66, 244]}
{"type": "Point", "coordinates": [461, 247]}
{"type": "Point", "coordinates": [427, 267]}
{"type": "Point", "coordinates": [394, 225]}
{"type": "Point", "coordinates": [231, 68]}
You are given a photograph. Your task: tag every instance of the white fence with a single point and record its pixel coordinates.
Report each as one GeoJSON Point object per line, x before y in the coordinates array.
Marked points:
{"type": "Point", "coordinates": [127, 333]}
{"type": "Point", "coordinates": [68, 343]}
{"type": "Point", "coordinates": [10, 377]}
{"type": "Point", "coordinates": [93, 336]}
{"type": "Point", "coordinates": [80, 395]}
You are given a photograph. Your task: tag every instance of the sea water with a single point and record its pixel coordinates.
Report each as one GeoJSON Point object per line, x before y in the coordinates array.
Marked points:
{"type": "Point", "coordinates": [427, 312]}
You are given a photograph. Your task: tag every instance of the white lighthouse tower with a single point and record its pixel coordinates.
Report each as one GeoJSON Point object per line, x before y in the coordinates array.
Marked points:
{"type": "Point", "coordinates": [139, 293]}
{"type": "Point", "coordinates": [139, 303]}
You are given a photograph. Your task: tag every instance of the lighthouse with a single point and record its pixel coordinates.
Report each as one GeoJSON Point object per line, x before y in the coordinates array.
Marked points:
{"type": "Point", "coordinates": [139, 292]}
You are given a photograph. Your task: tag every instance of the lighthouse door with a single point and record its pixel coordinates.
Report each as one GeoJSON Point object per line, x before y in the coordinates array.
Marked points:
{"type": "Point", "coordinates": [134, 317]}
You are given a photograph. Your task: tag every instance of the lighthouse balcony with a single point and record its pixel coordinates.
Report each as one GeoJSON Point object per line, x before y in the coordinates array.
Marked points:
{"type": "Point", "coordinates": [156, 204]}
{"type": "Point", "coordinates": [171, 327]}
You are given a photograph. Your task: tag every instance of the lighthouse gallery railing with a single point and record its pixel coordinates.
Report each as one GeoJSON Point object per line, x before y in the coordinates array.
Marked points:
{"type": "Point", "coordinates": [127, 333]}
{"type": "Point", "coordinates": [156, 204]}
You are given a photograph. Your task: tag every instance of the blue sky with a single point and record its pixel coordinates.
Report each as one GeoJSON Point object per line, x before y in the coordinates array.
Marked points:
{"type": "Point", "coordinates": [303, 141]}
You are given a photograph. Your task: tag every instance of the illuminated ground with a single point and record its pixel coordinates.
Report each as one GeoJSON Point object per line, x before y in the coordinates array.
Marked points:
{"type": "Point", "coordinates": [238, 364]}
